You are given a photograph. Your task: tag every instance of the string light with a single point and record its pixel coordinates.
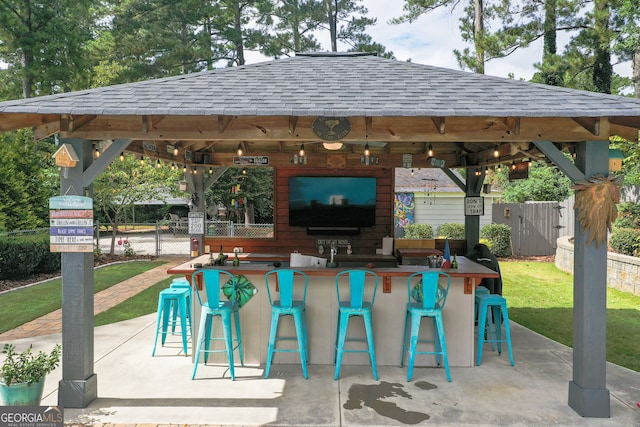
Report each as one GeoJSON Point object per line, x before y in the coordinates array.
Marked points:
{"type": "Point", "coordinates": [301, 152]}
{"type": "Point", "coordinates": [158, 163]}
{"type": "Point", "coordinates": [97, 152]}
{"type": "Point", "coordinates": [513, 165]}
{"type": "Point", "coordinates": [244, 171]}
{"type": "Point", "coordinates": [430, 151]}
{"type": "Point", "coordinates": [184, 168]}
{"type": "Point", "coordinates": [141, 160]}
{"type": "Point", "coordinates": [210, 170]}
{"type": "Point", "coordinates": [175, 151]}
{"type": "Point", "coordinates": [496, 152]}
{"type": "Point", "coordinates": [173, 166]}
{"type": "Point", "coordinates": [122, 157]}
{"type": "Point", "coordinates": [499, 167]}
{"type": "Point", "coordinates": [366, 149]}
{"type": "Point", "coordinates": [240, 150]}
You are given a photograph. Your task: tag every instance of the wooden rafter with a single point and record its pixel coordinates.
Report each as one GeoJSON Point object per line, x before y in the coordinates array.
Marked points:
{"type": "Point", "coordinates": [592, 124]}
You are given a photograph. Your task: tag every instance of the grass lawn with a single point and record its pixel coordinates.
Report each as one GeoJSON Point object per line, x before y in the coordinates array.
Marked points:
{"type": "Point", "coordinates": [23, 305]}
{"type": "Point", "coordinates": [540, 298]}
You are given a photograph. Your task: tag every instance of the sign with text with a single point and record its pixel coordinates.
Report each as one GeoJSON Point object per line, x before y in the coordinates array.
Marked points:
{"type": "Point", "coordinates": [473, 206]}
{"type": "Point", "coordinates": [71, 224]}
{"type": "Point", "coordinates": [251, 160]}
{"type": "Point", "coordinates": [196, 222]}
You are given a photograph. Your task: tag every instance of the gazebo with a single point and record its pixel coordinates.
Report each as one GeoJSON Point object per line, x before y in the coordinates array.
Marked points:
{"type": "Point", "coordinates": [336, 105]}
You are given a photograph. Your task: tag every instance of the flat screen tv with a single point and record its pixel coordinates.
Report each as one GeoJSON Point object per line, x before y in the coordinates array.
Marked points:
{"type": "Point", "coordinates": [332, 202]}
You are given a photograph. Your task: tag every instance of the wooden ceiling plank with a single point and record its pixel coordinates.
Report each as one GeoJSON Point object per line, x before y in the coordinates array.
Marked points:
{"type": "Point", "coordinates": [77, 122]}
{"type": "Point", "coordinates": [45, 130]}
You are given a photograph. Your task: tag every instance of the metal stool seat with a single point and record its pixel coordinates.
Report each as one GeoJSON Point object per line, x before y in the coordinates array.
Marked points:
{"type": "Point", "coordinates": [292, 288]}
{"type": "Point", "coordinates": [214, 306]}
{"type": "Point", "coordinates": [360, 305]}
{"type": "Point", "coordinates": [426, 298]}
{"type": "Point", "coordinates": [167, 299]}
{"type": "Point", "coordinates": [490, 324]}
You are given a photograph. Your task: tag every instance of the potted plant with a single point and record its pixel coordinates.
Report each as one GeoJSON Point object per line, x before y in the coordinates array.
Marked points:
{"type": "Point", "coordinates": [22, 374]}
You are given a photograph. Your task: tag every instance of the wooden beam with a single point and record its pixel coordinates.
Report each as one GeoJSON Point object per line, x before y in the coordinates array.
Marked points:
{"type": "Point", "coordinates": [293, 122]}
{"type": "Point", "coordinates": [439, 123]}
{"type": "Point", "coordinates": [368, 122]}
{"type": "Point", "coordinates": [222, 125]}
{"type": "Point", "coordinates": [512, 124]}
{"type": "Point", "coordinates": [592, 124]}
{"type": "Point", "coordinates": [45, 130]}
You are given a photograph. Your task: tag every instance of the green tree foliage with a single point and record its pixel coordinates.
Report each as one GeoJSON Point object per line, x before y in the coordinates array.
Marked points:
{"type": "Point", "coordinates": [631, 161]}
{"type": "Point", "coordinates": [289, 26]}
{"type": "Point", "coordinates": [28, 179]}
{"type": "Point", "coordinates": [545, 183]}
{"type": "Point", "coordinates": [44, 43]}
{"type": "Point", "coordinates": [256, 192]}
{"type": "Point", "coordinates": [126, 182]}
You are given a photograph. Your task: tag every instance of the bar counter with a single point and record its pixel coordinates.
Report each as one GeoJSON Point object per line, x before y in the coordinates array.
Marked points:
{"type": "Point", "coordinates": [388, 311]}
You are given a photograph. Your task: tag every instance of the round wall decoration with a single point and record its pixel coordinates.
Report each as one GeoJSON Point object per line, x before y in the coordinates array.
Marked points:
{"type": "Point", "coordinates": [331, 128]}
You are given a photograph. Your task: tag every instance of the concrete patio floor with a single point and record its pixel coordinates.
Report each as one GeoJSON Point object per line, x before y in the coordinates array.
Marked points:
{"type": "Point", "coordinates": [135, 388]}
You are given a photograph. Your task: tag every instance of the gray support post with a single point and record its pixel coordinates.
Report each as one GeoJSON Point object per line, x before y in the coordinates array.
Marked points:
{"type": "Point", "coordinates": [79, 384]}
{"type": "Point", "coordinates": [588, 395]}
{"type": "Point", "coordinates": [472, 222]}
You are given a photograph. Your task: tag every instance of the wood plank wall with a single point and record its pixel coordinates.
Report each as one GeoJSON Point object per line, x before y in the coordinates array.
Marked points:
{"type": "Point", "coordinates": [288, 239]}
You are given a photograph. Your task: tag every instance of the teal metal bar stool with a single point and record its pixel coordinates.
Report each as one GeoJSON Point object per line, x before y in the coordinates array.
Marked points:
{"type": "Point", "coordinates": [425, 298]}
{"type": "Point", "coordinates": [213, 283]}
{"type": "Point", "coordinates": [183, 284]}
{"type": "Point", "coordinates": [292, 288]}
{"type": "Point", "coordinates": [359, 303]}
{"type": "Point", "coordinates": [167, 300]}
{"type": "Point", "coordinates": [491, 318]}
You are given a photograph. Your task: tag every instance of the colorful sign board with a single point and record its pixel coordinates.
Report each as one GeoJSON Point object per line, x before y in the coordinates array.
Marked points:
{"type": "Point", "coordinates": [71, 224]}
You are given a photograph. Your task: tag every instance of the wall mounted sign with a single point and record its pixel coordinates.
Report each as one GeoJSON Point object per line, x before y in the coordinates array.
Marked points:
{"type": "Point", "coordinates": [331, 128]}
{"type": "Point", "coordinates": [473, 206]}
{"type": "Point", "coordinates": [407, 160]}
{"type": "Point", "coordinates": [336, 161]}
{"type": "Point", "coordinates": [71, 224]}
{"type": "Point", "coordinates": [196, 223]}
{"type": "Point", "coordinates": [251, 160]}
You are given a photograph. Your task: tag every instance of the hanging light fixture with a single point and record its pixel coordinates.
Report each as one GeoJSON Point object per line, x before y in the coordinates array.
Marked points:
{"type": "Point", "coordinates": [97, 152]}
{"type": "Point", "coordinates": [173, 166]}
{"type": "Point", "coordinates": [184, 168]}
{"type": "Point", "coordinates": [411, 172]}
{"type": "Point", "coordinates": [175, 150]}
{"type": "Point", "coordinates": [244, 171]}
{"type": "Point", "coordinates": [122, 157]}
{"type": "Point", "coordinates": [367, 152]}
{"type": "Point", "coordinates": [513, 165]}
{"type": "Point", "coordinates": [499, 167]}
{"type": "Point", "coordinates": [301, 152]}
{"type": "Point", "coordinates": [496, 152]}
{"type": "Point", "coordinates": [210, 170]}
{"type": "Point", "coordinates": [240, 151]}
{"type": "Point", "coordinates": [141, 160]}
{"type": "Point", "coordinates": [332, 145]}
{"type": "Point", "coordinates": [430, 151]}
{"type": "Point", "coordinates": [158, 163]}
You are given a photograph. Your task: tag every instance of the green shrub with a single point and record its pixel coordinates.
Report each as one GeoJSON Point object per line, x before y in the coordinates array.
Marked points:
{"type": "Point", "coordinates": [451, 230]}
{"type": "Point", "coordinates": [625, 241]}
{"type": "Point", "coordinates": [498, 237]}
{"type": "Point", "coordinates": [628, 216]}
{"type": "Point", "coordinates": [21, 256]}
{"type": "Point", "coordinates": [418, 231]}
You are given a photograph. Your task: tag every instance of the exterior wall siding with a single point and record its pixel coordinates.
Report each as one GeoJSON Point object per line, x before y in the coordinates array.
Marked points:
{"type": "Point", "coordinates": [445, 208]}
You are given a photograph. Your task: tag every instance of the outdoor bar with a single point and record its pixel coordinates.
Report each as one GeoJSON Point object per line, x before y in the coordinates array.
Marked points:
{"type": "Point", "coordinates": [322, 309]}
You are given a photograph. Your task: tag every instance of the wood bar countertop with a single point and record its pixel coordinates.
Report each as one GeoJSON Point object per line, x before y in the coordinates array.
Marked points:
{"type": "Point", "coordinates": [470, 271]}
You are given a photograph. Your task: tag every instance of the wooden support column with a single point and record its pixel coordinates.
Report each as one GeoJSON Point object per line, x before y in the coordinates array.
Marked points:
{"type": "Point", "coordinates": [79, 384]}
{"type": "Point", "coordinates": [472, 222]}
{"type": "Point", "coordinates": [588, 395]}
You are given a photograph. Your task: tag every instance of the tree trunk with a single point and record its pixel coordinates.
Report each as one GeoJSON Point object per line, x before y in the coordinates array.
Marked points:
{"type": "Point", "coordinates": [332, 15]}
{"type": "Point", "coordinates": [478, 34]}
{"type": "Point", "coordinates": [636, 71]}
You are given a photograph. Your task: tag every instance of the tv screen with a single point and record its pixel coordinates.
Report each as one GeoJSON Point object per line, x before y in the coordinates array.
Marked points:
{"type": "Point", "coordinates": [317, 201]}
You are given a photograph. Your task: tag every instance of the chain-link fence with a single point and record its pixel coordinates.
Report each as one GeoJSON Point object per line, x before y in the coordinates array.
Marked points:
{"type": "Point", "coordinates": [159, 238]}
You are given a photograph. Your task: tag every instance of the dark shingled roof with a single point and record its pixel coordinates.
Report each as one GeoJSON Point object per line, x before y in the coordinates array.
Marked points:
{"type": "Point", "coordinates": [422, 179]}
{"type": "Point", "coordinates": [332, 85]}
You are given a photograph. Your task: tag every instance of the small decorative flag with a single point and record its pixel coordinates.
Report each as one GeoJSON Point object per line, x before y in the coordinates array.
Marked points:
{"type": "Point", "coordinates": [447, 255]}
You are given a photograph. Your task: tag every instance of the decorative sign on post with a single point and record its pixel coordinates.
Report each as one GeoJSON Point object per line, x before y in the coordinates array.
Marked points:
{"type": "Point", "coordinates": [71, 224]}
{"type": "Point", "coordinates": [196, 223]}
{"type": "Point", "coordinates": [473, 206]}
